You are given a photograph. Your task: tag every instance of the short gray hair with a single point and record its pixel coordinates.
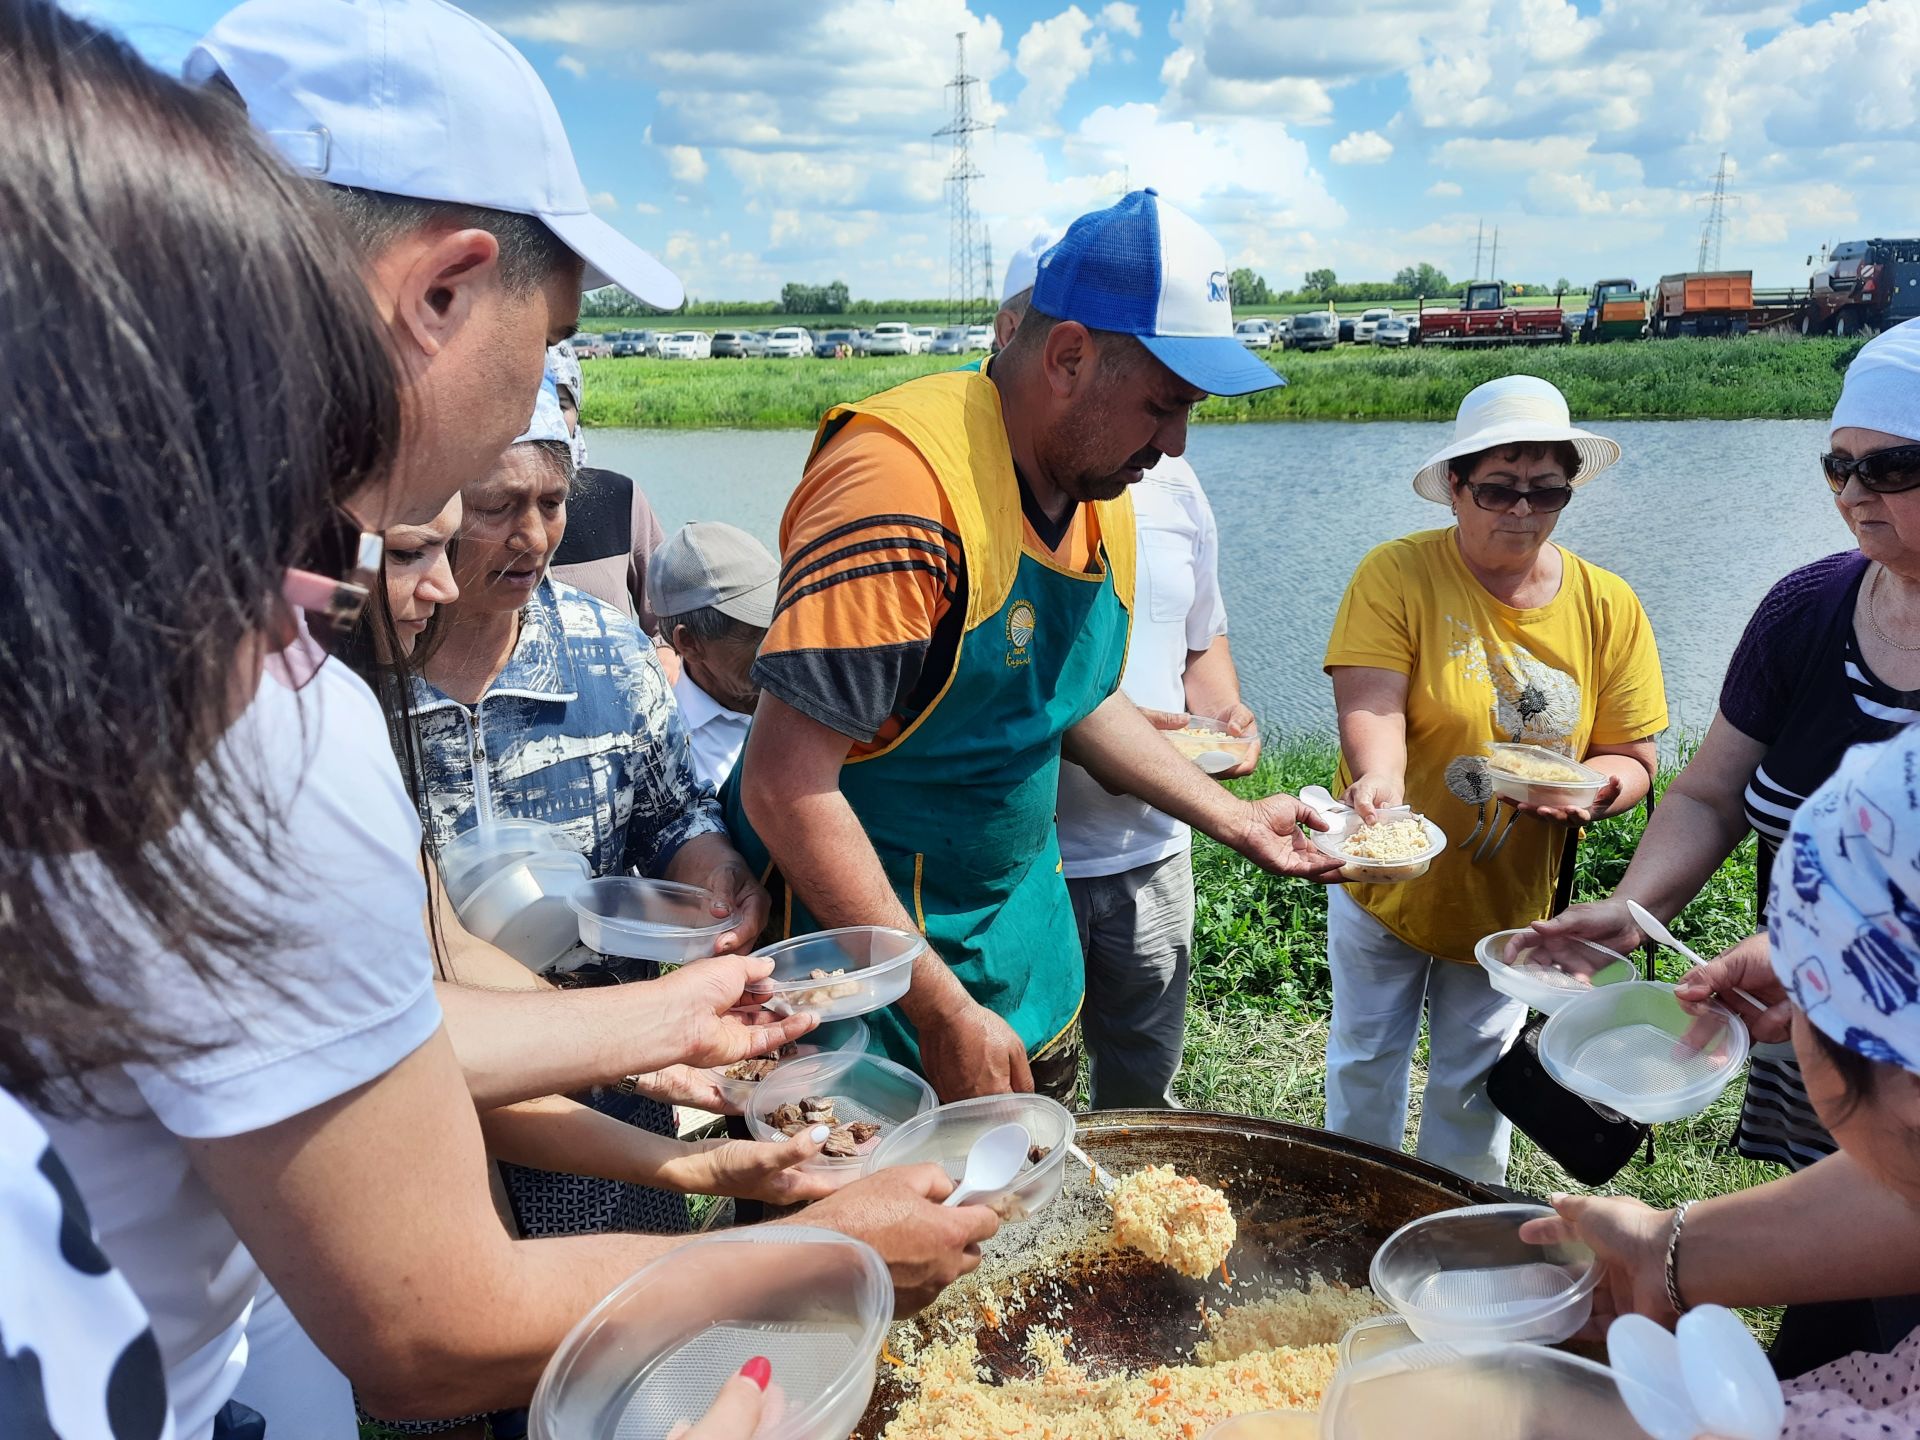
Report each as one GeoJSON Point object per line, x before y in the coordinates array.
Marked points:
{"type": "Point", "coordinates": [708, 625]}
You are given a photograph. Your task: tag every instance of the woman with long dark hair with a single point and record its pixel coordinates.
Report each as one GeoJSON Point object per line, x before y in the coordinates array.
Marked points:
{"type": "Point", "coordinates": [218, 991]}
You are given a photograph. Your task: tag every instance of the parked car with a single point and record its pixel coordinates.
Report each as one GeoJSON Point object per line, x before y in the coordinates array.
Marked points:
{"type": "Point", "coordinates": [789, 342]}
{"type": "Point", "coordinates": [926, 335]}
{"type": "Point", "coordinates": [1412, 317]}
{"type": "Point", "coordinates": [687, 345]}
{"type": "Point", "coordinates": [1281, 328]}
{"type": "Point", "coordinates": [1363, 330]}
{"type": "Point", "coordinates": [827, 346]}
{"type": "Point", "coordinates": [1312, 331]}
{"type": "Point", "coordinates": [635, 342]}
{"type": "Point", "coordinates": [1391, 331]}
{"type": "Point", "coordinates": [1255, 334]}
{"type": "Point", "coordinates": [737, 344]}
{"type": "Point", "coordinates": [1346, 325]}
{"type": "Point", "coordinates": [588, 346]}
{"type": "Point", "coordinates": [950, 341]}
{"type": "Point", "coordinates": [979, 337]}
{"type": "Point", "coordinates": [893, 337]}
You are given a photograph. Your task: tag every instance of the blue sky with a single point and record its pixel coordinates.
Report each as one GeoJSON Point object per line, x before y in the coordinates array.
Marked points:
{"type": "Point", "coordinates": [750, 144]}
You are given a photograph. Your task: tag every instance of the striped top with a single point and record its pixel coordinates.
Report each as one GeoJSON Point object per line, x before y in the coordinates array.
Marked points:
{"type": "Point", "coordinates": [1799, 684]}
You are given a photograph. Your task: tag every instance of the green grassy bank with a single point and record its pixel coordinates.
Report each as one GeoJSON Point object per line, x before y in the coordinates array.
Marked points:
{"type": "Point", "coordinates": [1756, 377]}
{"type": "Point", "coordinates": [1257, 1018]}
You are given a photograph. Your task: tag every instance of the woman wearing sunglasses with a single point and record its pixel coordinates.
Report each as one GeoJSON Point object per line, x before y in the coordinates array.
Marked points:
{"type": "Point", "coordinates": [1830, 659]}
{"type": "Point", "coordinates": [1448, 640]}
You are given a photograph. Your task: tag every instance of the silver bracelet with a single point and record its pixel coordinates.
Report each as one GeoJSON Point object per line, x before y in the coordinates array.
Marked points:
{"type": "Point", "coordinates": [1673, 1256]}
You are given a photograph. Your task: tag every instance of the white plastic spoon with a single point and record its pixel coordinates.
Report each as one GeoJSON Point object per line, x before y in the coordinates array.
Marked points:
{"type": "Point", "coordinates": [1646, 1358]}
{"type": "Point", "coordinates": [1100, 1177]}
{"type": "Point", "coordinates": [1651, 925]}
{"type": "Point", "coordinates": [992, 1163]}
{"type": "Point", "coordinates": [1729, 1381]}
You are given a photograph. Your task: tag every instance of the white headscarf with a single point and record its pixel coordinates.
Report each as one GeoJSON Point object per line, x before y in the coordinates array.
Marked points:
{"type": "Point", "coordinates": [564, 367]}
{"type": "Point", "coordinates": [1881, 390]}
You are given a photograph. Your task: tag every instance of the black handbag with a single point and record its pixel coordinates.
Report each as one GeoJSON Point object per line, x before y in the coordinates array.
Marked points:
{"type": "Point", "coordinates": [1590, 1143]}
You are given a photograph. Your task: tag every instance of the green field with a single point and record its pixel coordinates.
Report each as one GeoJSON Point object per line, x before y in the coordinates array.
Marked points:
{"type": "Point", "coordinates": [1257, 1017]}
{"type": "Point", "coordinates": [1756, 377]}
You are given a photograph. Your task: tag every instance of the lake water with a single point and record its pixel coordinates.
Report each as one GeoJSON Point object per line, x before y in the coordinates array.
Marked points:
{"type": "Point", "coordinates": [1700, 516]}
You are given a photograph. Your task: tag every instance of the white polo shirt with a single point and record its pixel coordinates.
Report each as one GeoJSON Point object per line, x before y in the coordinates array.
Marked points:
{"type": "Point", "coordinates": [718, 734]}
{"type": "Point", "coordinates": [1177, 609]}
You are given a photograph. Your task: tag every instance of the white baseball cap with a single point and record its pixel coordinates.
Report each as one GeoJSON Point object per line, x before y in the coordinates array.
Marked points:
{"type": "Point", "coordinates": [1143, 268]}
{"type": "Point", "coordinates": [418, 98]}
{"type": "Point", "coordinates": [1025, 264]}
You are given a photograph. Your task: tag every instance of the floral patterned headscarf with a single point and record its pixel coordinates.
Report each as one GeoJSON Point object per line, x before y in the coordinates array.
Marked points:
{"type": "Point", "coordinates": [564, 367]}
{"type": "Point", "coordinates": [1844, 916]}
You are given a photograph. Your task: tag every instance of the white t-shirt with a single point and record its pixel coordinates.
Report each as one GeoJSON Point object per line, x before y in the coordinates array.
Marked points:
{"type": "Point", "coordinates": [77, 1357]}
{"type": "Point", "coordinates": [1177, 609]}
{"type": "Point", "coordinates": [718, 734]}
{"type": "Point", "coordinates": [351, 995]}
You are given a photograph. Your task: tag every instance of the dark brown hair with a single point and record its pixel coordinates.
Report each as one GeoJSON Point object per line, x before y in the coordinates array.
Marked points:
{"type": "Point", "coordinates": [1564, 452]}
{"type": "Point", "coordinates": [191, 376]}
{"type": "Point", "coordinates": [530, 253]}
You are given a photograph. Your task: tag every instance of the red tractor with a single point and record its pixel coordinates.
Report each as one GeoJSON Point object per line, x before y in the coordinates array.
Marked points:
{"type": "Point", "coordinates": [1487, 317]}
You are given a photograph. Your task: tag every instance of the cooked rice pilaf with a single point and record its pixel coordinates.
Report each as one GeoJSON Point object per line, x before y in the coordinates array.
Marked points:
{"type": "Point", "coordinates": [1174, 1219]}
{"type": "Point", "coordinates": [1533, 767]}
{"type": "Point", "coordinates": [952, 1398]}
{"type": "Point", "coordinates": [1391, 840]}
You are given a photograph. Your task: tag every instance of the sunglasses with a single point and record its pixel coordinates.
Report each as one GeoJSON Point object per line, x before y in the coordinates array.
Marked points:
{"type": "Point", "coordinates": [333, 589]}
{"type": "Point", "coordinates": [1544, 501]}
{"type": "Point", "coordinates": [1885, 472]}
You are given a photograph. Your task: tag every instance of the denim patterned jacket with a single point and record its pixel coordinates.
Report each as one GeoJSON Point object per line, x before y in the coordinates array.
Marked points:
{"type": "Point", "coordinates": [580, 729]}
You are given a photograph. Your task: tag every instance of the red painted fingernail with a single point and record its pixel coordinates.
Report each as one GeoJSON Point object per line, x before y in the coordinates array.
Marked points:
{"type": "Point", "coordinates": [759, 1370]}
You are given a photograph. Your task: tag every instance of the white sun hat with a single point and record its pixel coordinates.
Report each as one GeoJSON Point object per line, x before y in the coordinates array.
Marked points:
{"type": "Point", "coordinates": [1513, 410]}
{"type": "Point", "coordinates": [1024, 267]}
{"type": "Point", "coordinates": [418, 98]}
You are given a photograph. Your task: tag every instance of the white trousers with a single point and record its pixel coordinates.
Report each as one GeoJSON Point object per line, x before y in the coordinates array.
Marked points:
{"type": "Point", "coordinates": [1380, 987]}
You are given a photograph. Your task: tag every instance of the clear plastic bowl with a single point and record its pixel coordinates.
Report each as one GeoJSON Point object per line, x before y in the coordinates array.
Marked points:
{"type": "Point", "coordinates": [813, 1302]}
{"type": "Point", "coordinates": [861, 1086]}
{"type": "Point", "coordinates": [876, 964]}
{"type": "Point", "coordinates": [1631, 1048]}
{"type": "Point", "coordinates": [1476, 1391]}
{"type": "Point", "coordinates": [1574, 794]}
{"type": "Point", "coordinates": [825, 1039]}
{"type": "Point", "coordinates": [641, 919]}
{"type": "Point", "coordinates": [1344, 823]}
{"type": "Point", "coordinates": [523, 908]}
{"type": "Point", "coordinates": [1467, 1275]}
{"type": "Point", "coordinates": [1374, 1336]}
{"type": "Point", "coordinates": [1547, 988]}
{"type": "Point", "coordinates": [1211, 745]}
{"type": "Point", "coordinates": [473, 857]}
{"type": "Point", "coordinates": [945, 1135]}
{"type": "Point", "coordinates": [1268, 1425]}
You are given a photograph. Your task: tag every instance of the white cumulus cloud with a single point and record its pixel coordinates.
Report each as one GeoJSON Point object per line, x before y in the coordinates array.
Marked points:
{"type": "Point", "coordinates": [1362, 147]}
{"type": "Point", "coordinates": [573, 65]}
{"type": "Point", "coordinates": [686, 164]}
{"type": "Point", "coordinates": [1444, 190]}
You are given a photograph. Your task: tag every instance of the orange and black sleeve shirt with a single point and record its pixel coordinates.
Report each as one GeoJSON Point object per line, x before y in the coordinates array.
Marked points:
{"type": "Point", "coordinates": [873, 586]}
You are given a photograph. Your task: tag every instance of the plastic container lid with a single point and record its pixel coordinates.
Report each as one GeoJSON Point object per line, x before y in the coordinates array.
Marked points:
{"type": "Point", "coordinates": [862, 968]}
{"type": "Point", "coordinates": [1546, 987]}
{"type": "Point", "coordinates": [1211, 745]}
{"type": "Point", "coordinates": [944, 1136]}
{"type": "Point", "coordinates": [475, 856]}
{"type": "Point", "coordinates": [1466, 1274]}
{"type": "Point", "coordinates": [1376, 1335]}
{"type": "Point", "coordinates": [1508, 785]}
{"type": "Point", "coordinates": [640, 919]}
{"type": "Point", "coordinates": [1344, 823]}
{"type": "Point", "coordinates": [1707, 1376]}
{"type": "Point", "coordinates": [815, 1303]}
{"type": "Point", "coordinates": [1476, 1391]}
{"type": "Point", "coordinates": [861, 1086]}
{"type": "Point", "coordinates": [1268, 1425]}
{"type": "Point", "coordinates": [1631, 1048]}
{"type": "Point", "coordinates": [825, 1039]}
{"type": "Point", "coordinates": [523, 908]}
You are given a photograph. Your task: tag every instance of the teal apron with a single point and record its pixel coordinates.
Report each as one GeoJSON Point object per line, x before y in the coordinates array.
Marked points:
{"type": "Point", "coordinates": [960, 809]}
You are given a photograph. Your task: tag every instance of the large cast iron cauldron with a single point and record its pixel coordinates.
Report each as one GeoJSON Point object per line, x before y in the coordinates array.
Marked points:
{"type": "Point", "coordinates": [1307, 1202]}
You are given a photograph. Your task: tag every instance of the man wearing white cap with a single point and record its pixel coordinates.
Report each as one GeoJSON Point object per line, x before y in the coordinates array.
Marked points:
{"type": "Point", "coordinates": [445, 154]}
{"type": "Point", "coordinates": [1129, 868]}
{"type": "Point", "coordinates": [958, 580]}
{"type": "Point", "coordinates": [712, 585]}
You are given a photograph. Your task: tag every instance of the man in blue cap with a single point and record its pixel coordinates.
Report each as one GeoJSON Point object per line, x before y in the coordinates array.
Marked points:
{"type": "Point", "coordinates": [955, 597]}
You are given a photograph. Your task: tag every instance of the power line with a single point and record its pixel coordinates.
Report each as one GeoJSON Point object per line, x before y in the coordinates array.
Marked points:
{"type": "Point", "coordinates": [964, 235]}
{"type": "Point", "coordinates": [1714, 229]}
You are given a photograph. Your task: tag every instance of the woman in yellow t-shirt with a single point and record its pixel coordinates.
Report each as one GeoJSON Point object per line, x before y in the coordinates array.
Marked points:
{"type": "Point", "coordinates": [1448, 640]}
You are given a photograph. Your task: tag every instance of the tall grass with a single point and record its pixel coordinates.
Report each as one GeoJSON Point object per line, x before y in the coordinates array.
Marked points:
{"type": "Point", "coordinates": [1257, 1016]}
{"type": "Point", "coordinates": [1756, 377]}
